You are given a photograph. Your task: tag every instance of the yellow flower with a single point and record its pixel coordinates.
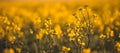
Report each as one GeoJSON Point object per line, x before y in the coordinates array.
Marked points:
{"type": "Point", "coordinates": [79, 40]}
{"type": "Point", "coordinates": [37, 20]}
{"type": "Point", "coordinates": [108, 29]}
{"type": "Point", "coordinates": [117, 23]}
{"type": "Point", "coordinates": [118, 46]}
{"type": "Point", "coordinates": [111, 33]}
{"type": "Point", "coordinates": [11, 38]}
{"type": "Point", "coordinates": [46, 25]}
{"type": "Point", "coordinates": [58, 31]}
{"type": "Point", "coordinates": [40, 35]}
{"type": "Point", "coordinates": [10, 50]}
{"type": "Point", "coordinates": [31, 31]}
{"type": "Point", "coordinates": [68, 49]}
{"type": "Point", "coordinates": [64, 48]}
{"type": "Point", "coordinates": [85, 24]}
{"type": "Point", "coordinates": [68, 30]}
{"type": "Point", "coordinates": [8, 28]}
{"type": "Point", "coordinates": [18, 50]}
{"type": "Point", "coordinates": [119, 35]}
{"type": "Point", "coordinates": [6, 21]}
{"type": "Point", "coordinates": [71, 34]}
{"type": "Point", "coordinates": [83, 44]}
{"type": "Point", "coordinates": [18, 28]}
{"type": "Point", "coordinates": [102, 36]}
{"type": "Point", "coordinates": [87, 50]}
{"type": "Point", "coordinates": [20, 34]}
{"type": "Point", "coordinates": [71, 39]}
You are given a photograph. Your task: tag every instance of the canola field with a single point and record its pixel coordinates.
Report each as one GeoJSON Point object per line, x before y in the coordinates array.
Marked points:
{"type": "Point", "coordinates": [60, 27]}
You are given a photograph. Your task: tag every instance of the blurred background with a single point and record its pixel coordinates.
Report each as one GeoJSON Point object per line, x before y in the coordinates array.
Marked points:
{"type": "Point", "coordinates": [59, 26]}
